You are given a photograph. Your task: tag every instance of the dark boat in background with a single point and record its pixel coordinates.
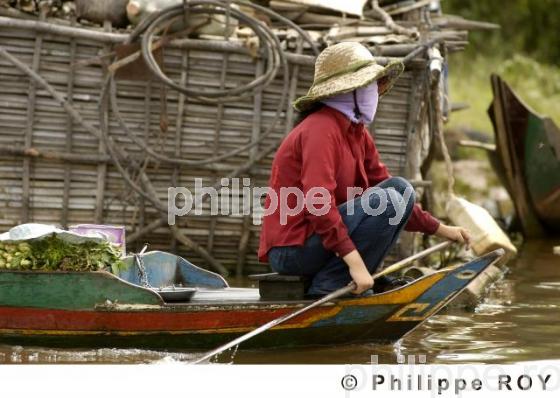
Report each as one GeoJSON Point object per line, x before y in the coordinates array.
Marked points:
{"type": "Point", "coordinates": [527, 160]}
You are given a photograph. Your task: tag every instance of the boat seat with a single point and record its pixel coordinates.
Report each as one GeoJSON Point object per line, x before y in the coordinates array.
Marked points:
{"type": "Point", "coordinates": [166, 269]}
{"type": "Point", "coordinates": [273, 286]}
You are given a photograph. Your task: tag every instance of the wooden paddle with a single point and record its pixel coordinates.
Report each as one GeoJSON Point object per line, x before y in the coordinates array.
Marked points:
{"type": "Point", "coordinates": [329, 297]}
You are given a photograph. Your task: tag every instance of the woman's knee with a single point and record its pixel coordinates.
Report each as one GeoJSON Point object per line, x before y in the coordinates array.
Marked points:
{"type": "Point", "coordinates": [385, 202]}
{"type": "Point", "coordinates": [406, 195]}
{"type": "Point", "coordinates": [401, 184]}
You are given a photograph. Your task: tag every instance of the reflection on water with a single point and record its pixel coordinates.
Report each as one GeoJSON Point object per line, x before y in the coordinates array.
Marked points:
{"type": "Point", "coordinates": [518, 321]}
{"type": "Point", "coordinates": [18, 354]}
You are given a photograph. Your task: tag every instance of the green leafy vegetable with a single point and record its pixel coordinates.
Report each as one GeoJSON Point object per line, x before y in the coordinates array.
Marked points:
{"type": "Point", "coordinates": [54, 254]}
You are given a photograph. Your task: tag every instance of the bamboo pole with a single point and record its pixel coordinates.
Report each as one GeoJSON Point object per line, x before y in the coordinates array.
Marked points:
{"type": "Point", "coordinates": [67, 157]}
{"type": "Point", "coordinates": [452, 22]}
{"type": "Point", "coordinates": [396, 10]}
{"type": "Point", "coordinates": [388, 21]}
{"type": "Point", "coordinates": [102, 167]}
{"type": "Point", "coordinates": [28, 136]}
{"type": "Point", "coordinates": [293, 88]}
{"type": "Point", "coordinates": [255, 133]}
{"type": "Point", "coordinates": [217, 46]}
{"type": "Point", "coordinates": [147, 120]}
{"type": "Point", "coordinates": [178, 128]}
{"type": "Point", "coordinates": [68, 144]}
{"type": "Point", "coordinates": [67, 31]}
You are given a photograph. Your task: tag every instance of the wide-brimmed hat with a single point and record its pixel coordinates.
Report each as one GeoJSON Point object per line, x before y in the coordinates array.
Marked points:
{"type": "Point", "coordinates": [344, 67]}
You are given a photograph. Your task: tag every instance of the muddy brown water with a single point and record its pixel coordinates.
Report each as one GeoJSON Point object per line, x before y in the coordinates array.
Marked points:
{"type": "Point", "coordinates": [518, 321]}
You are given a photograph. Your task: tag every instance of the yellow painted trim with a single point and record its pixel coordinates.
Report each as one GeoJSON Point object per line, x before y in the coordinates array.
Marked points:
{"type": "Point", "coordinates": [403, 295]}
{"type": "Point", "coordinates": [418, 308]}
{"type": "Point", "coordinates": [412, 307]}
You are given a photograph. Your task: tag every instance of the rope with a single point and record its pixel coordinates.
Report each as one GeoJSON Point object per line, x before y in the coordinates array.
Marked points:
{"type": "Point", "coordinates": [436, 99]}
{"type": "Point", "coordinates": [270, 45]}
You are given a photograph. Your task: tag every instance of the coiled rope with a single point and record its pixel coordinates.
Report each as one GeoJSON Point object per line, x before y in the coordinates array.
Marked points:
{"type": "Point", "coordinates": [270, 48]}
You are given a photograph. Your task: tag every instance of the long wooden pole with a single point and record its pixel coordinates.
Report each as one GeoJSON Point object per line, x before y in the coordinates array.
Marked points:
{"type": "Point", "coordinates": [329, 297]}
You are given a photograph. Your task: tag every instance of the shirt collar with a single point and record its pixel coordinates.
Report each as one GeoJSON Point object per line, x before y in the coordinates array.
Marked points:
{"type": "Point", "coordinates": [342, 120]}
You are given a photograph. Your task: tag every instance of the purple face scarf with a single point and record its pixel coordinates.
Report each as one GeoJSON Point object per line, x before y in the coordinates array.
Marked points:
{"type": "Point", "coordinates": [366, 98]}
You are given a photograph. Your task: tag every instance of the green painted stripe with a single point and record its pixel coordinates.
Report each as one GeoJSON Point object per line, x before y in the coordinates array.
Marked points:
{"type": "Point", "coordinates": [69, 290]}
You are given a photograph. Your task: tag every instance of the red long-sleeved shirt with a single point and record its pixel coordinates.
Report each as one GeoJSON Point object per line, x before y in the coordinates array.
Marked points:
{"type": "Point", "coordinates": [326, 150]}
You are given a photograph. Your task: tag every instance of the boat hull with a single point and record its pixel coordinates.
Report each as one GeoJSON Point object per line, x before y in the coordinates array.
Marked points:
{"type": "Point", "coordinates": [528, 152]}
{"type": "Point", "coordinates": [384, 317]}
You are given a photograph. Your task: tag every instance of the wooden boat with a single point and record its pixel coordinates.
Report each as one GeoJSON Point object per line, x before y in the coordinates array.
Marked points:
{"type": "Point", "coordinates": [528, 152]}
{"type": "Point", "coordinates": [99, 309]}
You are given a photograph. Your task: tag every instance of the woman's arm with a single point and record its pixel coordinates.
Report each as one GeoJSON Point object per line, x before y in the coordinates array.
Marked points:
{"type": "Point", "coordinates": [358, 272]}
{"type": "Point", "coordinates": [456, 234]}
{"type": "Point", "coordinates": [319, 165]}
{"type": "Point", "coordinates": [319, 152]}
{"type": "Point", "coordinates": [361, 275]}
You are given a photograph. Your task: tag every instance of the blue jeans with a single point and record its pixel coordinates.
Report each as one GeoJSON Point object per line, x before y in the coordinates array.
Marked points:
{"type": "Point", "coordinates": [373, 235]}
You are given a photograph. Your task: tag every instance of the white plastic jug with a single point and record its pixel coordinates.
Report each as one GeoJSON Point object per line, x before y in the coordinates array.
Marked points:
{"type": "Point", "coordinates": [485, 232]}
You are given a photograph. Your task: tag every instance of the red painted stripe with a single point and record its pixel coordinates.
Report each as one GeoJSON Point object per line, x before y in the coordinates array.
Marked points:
{"type": "Point", "coordinates": [67, 320]}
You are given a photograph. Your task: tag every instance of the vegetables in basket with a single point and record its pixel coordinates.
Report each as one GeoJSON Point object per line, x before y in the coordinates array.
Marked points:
{"type": "Point", "coordinates": [54, 254]}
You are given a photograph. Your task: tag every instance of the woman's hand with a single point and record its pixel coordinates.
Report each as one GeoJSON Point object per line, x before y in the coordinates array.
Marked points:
{"type": "Point", "coordinates": [456, 234]}
{"type": "Point", "coordinates": [358, 272]}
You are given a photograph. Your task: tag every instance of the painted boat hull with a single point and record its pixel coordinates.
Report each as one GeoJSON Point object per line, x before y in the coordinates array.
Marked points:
{"type": "Point", "coordinates": [125, 315]}
{"type": "Point", "coordinates": [528, 151]}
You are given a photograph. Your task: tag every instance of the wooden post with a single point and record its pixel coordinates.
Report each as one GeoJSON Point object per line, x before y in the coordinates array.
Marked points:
{"type": "Point", "coordinates": [407, 241]}
{"type": "Point", "coordinates": [69, 133]}
{"type": "Point", "coordinates": [256, 132]}
{"type": "Point", "coordinates": [147, 117]}
{"type": "Point", "coordinates": [28, 137]}
{"type": "Point", "coordinates": [179, 128]}
{"type": "Point", "coordinates": [102, 167]}
{"type": "Point", "coordinates": [293, 88]}
{"type": "Point", "coordinates": [216, 146]}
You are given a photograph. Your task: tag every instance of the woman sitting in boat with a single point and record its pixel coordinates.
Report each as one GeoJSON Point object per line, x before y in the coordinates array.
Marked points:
{"type": "Point", "coordinates": [331, 150]}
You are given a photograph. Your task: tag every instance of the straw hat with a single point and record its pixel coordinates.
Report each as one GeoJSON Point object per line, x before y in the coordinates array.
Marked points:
{"type": "Point", "coordinates": [344, 67]}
